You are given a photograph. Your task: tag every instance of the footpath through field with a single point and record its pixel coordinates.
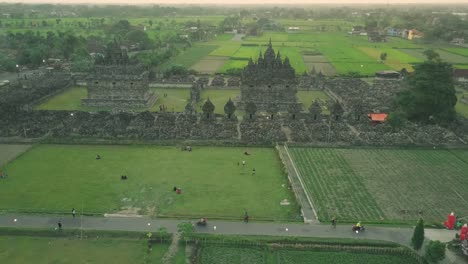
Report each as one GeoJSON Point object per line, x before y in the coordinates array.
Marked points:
{"type": "Point", "coordinates": [142, 224]}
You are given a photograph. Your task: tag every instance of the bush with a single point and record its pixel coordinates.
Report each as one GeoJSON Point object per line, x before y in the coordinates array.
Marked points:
{"type": "Point", "coordinates": [435, 251]}
{"type": "Point", "coordinates": [418, 235]}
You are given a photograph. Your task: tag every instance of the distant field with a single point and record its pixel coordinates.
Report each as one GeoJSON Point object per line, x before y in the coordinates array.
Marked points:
{"type": "Point", "coordinates": [192, 55]}
{"type": "Point", "coordinates": [55, 178]}
{"type": "Point", "coordinates": [396, 59]}
{"type": "Point", "coordinates": [384, 185]}
{"type": "Point", "coordinates": [444, 55]}
{"type": "Point", "coordinates": [19, 250]}
{"type": "Point", "coordinates": [210, 64]}
{"type": "Point", "coordinates": [225, 50]}
{"type": "Point", "coordinates": [459, 51]}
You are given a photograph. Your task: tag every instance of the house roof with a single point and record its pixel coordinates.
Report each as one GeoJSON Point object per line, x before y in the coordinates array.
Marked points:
{"type": "Point", "coordinates": [457, 73]}
{"type": "Point", "coordinates": [378, 117]}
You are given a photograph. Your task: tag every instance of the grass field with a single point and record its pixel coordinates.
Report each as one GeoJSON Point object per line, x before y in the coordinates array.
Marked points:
{"type": "Point", "coordinates": [55, 178]}
{"type": "Point", "coordinates": [209, 64]}
{"type": "Point", "coordinates": [192, 55]}
{"type": "Point", "coordinates": [71, 100]}
{"type": "Point", "coordinates": [242, 255]}
{"type": "Point", "coordinates": [308, 97]}
{"type": "Point", "coordinates": [459, 51]}
{"type": "Point", "coordinates": [219, 98]}
{"type": "Point", "coordinates": [16, 250]}
{"type": "Point", "coordinates": [384, 185]}
{"type": "Point", "coordinates": [444, 55]}
{"type": "Point", "coordinates": [396, 59]}
{"type": "Point", "coordinates": [462, 107]}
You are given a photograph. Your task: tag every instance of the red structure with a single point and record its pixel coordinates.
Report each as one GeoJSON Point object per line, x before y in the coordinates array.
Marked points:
{"type": "Point", "coordinates": [463, 232]}
{"type": "Point", "coordinates": [450, 223]}
{"type": "Point", "coordinates": [377, 117]}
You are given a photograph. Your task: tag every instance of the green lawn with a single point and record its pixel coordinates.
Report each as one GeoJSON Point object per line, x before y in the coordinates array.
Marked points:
{"type": "Point", "coordinates": [384, 184]}
{"type": "Point", "coordinates": [70, 99]}
{"type": "Point", "coordinates": [55, 178]}
{"type": "Point", "coordinates": [59, 250]}
{"type": "Point", "coordinates": [214, 254]}
{"type": "Point", "coordinates": [308, 97]}
{"type": "Point", "coordinates": [219, 98]}
{"type": "Point", "coordinates": [175, 101]}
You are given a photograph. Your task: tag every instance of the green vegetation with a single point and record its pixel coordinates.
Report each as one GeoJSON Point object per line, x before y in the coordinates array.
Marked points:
{"type": "Point", "coordinates": [431, 94]}
{"type": "Point", "coordinates": [307, 97]}
{"type": "Point", "coordinates": [236, 254]}
{"type": "Point", "coordinates": [383, 185]}
{"type": "Point", "coordinates": [60, 250]}
{"type": "Point", "coordinates": [462, 107]}
{"type": "Point", "coordinates": [70, 99]}
{"type": "Point", "coordinates": [192, 55]}
{"type": "Point", "coordinates": [55, 178]}
{"type": "Point", "coordinates": [418, 236]}
{"type": "Point", "coordinates": [435, 251]}
{"type": "Point", "coordinates": [219, 98]}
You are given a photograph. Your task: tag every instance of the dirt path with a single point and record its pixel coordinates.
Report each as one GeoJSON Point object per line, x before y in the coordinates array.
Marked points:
{"type": "Point", "coordinates": [173, 248]}
{"type": "Point", "coordinates": [10, 152]}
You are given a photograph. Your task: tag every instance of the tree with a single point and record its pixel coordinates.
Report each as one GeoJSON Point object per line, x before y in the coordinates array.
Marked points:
{"type": "Point", "coordinates": [431, 55]}
{"type": "Point", "coordinates": [435, 251]}
{"type": "Point", "coordinates": [396, 120]}
{"type": "Point", "coordinates": [431, 95]}
{"type": "Point", "coordinates": [229, 108]}
{"type": "Point", "coordinates": [418, 236]}
{"type": "Point", "coordinates": [383, 56]}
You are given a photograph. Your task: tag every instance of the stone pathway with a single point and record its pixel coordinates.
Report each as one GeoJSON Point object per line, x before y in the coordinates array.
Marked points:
{"type": "Point", "coordinates": [307, 209]}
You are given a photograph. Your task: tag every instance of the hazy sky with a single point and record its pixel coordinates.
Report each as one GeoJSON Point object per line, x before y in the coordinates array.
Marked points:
{"type": "Point", "coordinates": [221, 2]}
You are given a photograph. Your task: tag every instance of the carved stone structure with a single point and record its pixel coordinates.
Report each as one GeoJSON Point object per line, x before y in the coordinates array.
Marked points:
{"type": "Point", "coordinates": [117, 83]}
{"type": "Point", "coordinates": [268, 81]}
{"type": "Point", "coordinates": [218, 81]}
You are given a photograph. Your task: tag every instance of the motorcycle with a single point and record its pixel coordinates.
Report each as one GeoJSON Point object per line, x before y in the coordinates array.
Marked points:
{"type": "Point", "coordinates": [202, 222]}
{"type": "Point", "coordinates": [358, 229]}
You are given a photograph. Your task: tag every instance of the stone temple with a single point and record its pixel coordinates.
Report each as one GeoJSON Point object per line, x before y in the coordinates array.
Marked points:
{"type": "Point", "coordinates": [118, 83]}
{"type": "Point", "coordinates": [269, 82]}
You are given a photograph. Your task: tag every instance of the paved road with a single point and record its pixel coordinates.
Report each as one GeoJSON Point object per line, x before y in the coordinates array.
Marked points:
{"type": "Point", "coordinates": [394, 234]}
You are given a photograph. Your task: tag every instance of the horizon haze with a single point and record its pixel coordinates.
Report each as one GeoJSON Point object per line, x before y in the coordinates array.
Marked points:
{"type": "Point", "coordinates": [239, 2]}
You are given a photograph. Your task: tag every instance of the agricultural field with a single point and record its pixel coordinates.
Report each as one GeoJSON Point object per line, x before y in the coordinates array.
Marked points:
{"type": "Point", "coordinates": [18, 249]}
{"type": "Point", "coordinates": [311, 257]}
{"type": "Point", "coordinates": [192, 55]}
{"type": "Point", "coordinates": [384, 185]}
{"type": "Point", "coordinates": [209, 64]}
{"type": "Point", "coordinates": [55, 178]}
{"type": "Point", "coordinates": [459, 51]}
{"type": "Point", "coordinates": [396, 59]}
{"type": "Point", "coordinates": [444, 55]}
{"type": "Point", "coordinates": [218, 254]}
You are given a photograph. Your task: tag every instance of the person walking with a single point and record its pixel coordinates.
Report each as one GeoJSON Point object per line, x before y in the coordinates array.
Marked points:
{"type": "Point", "coordinates": [73, 212]}
{"type": "Point", "coordinates": [59, 224]}
{"type": "Point", "coordinates": [333, 222]}
{"type": "Point", "coordinates": [246, 217]}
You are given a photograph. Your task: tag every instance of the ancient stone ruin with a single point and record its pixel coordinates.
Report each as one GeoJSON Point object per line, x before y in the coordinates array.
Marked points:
{"type": "Point", "coordinates": [116, 82]}
{"type": "Point", "coordinates": [269, 81]}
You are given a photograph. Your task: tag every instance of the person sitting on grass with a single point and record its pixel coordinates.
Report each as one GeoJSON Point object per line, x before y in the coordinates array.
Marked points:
{"type": "Point", "coordinates": [98, 157]}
